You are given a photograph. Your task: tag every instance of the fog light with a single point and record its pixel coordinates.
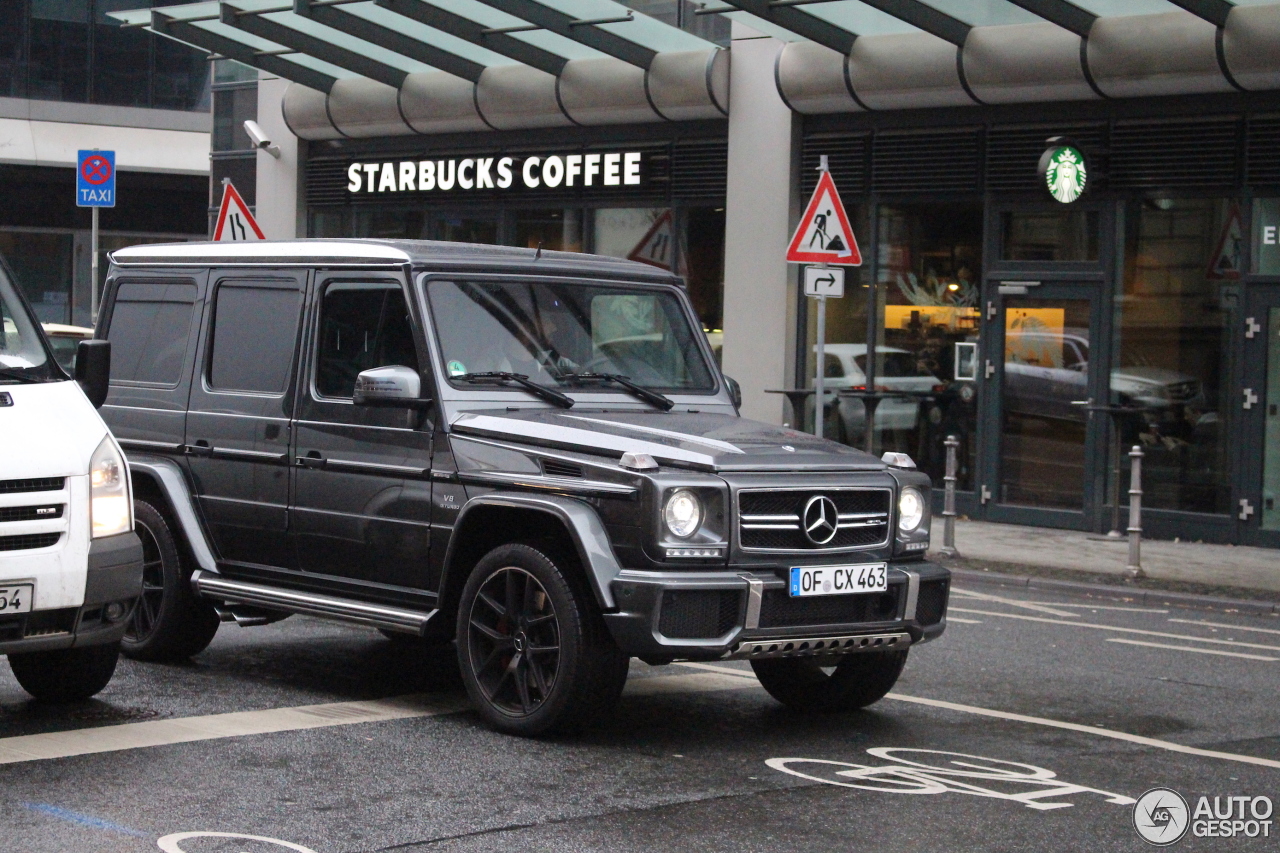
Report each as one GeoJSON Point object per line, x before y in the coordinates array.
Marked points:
{"type": "Point", "coordinates": [114, 611]}
{"type": "Point", "coordinates": [695, 553]}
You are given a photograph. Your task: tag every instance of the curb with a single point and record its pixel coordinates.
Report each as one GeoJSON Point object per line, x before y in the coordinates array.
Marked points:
{"type": "Point", "coordinates": [1140, 596]}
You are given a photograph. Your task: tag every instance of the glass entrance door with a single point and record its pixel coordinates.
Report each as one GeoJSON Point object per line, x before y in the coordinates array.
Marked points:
{"type": "Point", "coordinates": [1259, 506]}
{"type": "Point", "coordinates": [1041, 417]}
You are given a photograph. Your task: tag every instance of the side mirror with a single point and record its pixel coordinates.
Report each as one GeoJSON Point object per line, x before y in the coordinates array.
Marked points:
{"type": "Point", "coordinates": [735, 392]}
{"type": "Point", "coordinates": [93, 370]}
{"type": "Point", "coordinates": [394, 386]}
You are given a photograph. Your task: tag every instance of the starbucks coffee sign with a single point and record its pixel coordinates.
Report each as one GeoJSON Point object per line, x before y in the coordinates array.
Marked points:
{"type": "Point", "coordinates": [1063, 170]}
{"type": "Point", "coordinates": [462, 174]}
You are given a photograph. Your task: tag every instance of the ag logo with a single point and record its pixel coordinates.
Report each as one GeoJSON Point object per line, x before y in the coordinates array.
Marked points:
{"type": "Point", "coordinates": [1064, 171]}
{"type": "Point", "coordinates": [1161, 816]}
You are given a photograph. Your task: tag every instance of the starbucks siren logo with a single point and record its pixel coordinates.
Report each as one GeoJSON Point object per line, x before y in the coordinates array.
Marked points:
{"type": "Point", "coordinates": [1064, 173]}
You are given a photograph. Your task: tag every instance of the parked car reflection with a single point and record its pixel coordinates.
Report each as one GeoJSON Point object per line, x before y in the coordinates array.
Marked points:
{"type": "Point", "coordinates": [898, 371]}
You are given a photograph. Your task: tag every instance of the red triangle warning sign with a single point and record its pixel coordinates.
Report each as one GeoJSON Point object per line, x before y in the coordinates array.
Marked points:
{"type": "Point", "coordinates": [1228, 257]}
{"type": "Point", "coordinates": [655, 247]}
{"type": "Point", "coordinates": [824, 235]}
{"type": "Point", "coordinates": [235, 222]}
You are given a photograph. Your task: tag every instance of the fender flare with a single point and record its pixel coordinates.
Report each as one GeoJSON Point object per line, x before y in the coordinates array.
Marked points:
{"type": "Point", "coordinates": [169, 477]}
{"type": "Point", "coordinates": [581, 521]}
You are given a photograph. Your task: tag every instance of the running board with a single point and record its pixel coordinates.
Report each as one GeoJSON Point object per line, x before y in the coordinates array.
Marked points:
{"type": "Point", "coordinates": [209, 585]}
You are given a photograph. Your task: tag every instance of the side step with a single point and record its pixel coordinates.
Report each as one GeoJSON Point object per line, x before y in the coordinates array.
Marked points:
{"type": "Point", "coordinates": [382, 616]}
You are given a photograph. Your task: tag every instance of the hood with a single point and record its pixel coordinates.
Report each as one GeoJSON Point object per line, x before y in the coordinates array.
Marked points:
{"type": "Point", "coordinates": [710, 442]}
{"type": "Point", "coordinates": [50, 430]}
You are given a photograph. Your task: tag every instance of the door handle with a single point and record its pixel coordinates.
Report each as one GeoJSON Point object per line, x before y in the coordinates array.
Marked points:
{"type": "Point", "coordinates": [312, 460]}
{"type": "Point", "coordinates": [200, 448]}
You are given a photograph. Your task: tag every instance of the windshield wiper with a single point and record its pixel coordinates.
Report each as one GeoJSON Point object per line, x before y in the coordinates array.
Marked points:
{"type": "Point", "coordinates": [639, 391]}
{"type": "Point", "coordinates": [18, 377]}
{"type": "Point", "coordinates": [549, 394]}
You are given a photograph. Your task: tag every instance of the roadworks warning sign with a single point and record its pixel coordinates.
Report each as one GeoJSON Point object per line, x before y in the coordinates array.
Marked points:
{"type": "Point", "coordinates": [824, 235]}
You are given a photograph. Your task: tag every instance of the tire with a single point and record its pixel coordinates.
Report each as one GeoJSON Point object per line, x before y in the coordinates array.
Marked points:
{"type": "Point", "coordinates": [812, 684]}
{"type": "Point", "coordinates": [65, 675]}
{"type": "Point", "coordinates": [169, 622]}
{"type": "Point", "coordinates": [555, 668]}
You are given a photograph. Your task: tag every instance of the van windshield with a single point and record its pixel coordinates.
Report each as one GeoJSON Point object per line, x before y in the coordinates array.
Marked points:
{"type": "Point", "coordinates": [23, 357]}
{"type": "Point", "coordinates": [553, 331]}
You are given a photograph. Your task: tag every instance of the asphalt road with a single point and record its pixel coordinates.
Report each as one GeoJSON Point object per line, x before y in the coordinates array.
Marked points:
{"type": "Point", "coordinates": [1063, 712]}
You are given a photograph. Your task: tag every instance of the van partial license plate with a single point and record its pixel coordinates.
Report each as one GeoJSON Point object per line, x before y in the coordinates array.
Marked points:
{"type": "Point", "coordinates": [16, 599]}
{"type": "Point", "coordinates": [838, 580]}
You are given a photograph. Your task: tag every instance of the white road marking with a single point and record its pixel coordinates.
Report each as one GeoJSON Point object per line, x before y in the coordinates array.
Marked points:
{"type": "Point", "coordinates": [1224, 625]}
{"type": "Point", "coordinates": [171, 843]}
{"type": "Point", "coordinates": [694, 683]}
{"type": "Point", "coordinates": [1121, 630]}
{"type": "Point", "coordinates": [1105, 607]}
{"type": "Point", "coordinates": [238, 724]}
{"type": "Point", "coordinates": [951, 619]}
{"type": "Point", "coordinates": [1044, 721]}
{"type": "Point", "coordinates": [1013, 602]}
{"type": "Point", "coordinates": [1188, 649]}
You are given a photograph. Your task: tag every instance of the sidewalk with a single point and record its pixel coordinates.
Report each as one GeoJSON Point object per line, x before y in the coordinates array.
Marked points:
{"type": "Point", "coordinates": [1015, 547]}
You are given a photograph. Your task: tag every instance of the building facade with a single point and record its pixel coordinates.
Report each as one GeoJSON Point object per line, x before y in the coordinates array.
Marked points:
{"type": "Point", "coordinates": [71, 78]}
{"type": "Point", "coordinates": [1048, 333]}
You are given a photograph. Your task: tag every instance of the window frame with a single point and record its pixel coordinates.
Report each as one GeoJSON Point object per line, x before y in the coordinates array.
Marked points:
{"type": "Point", "coordinates": [316, 329]}
{"type": "Point", "coordinates": [264, 280]}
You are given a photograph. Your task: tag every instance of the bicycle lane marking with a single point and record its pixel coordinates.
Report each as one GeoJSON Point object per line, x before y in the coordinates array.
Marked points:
{"type": "Point", "coordinates": [1169, 746]}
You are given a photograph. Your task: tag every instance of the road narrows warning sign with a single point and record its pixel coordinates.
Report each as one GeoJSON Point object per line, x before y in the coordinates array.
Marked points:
{"type": "Point", "coordinates": [824, 235]}
{"type": "Point", "coordinates": [235, 222]}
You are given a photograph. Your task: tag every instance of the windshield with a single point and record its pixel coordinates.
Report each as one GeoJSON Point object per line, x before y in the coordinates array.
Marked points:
{"type": "Point", "coordinates": [22, 355]}
{"type": "Point", "coordinates": [549, 331]}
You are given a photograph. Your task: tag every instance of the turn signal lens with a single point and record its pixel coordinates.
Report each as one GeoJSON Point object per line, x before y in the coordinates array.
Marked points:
{"type": "Point", "coordinates": [683, 513]}
{"type": "Point", "coordinates": [109, 491]}
{"type": "Point", "coordinates": [910, 510]}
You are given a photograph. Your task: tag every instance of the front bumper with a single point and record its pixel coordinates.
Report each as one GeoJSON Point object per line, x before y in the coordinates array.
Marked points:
{"type": "Point", "coordinates": [113, 575]}
{"type": "Point", "coordinates": [665, 616]}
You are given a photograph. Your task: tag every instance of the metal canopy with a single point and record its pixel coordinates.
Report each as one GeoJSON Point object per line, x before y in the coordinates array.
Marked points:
{"type": "Point", "coordinates": [317, 42]}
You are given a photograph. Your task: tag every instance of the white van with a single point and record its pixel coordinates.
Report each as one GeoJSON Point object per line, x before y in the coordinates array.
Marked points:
{"type": "Point", "coordinates": [70, 563]}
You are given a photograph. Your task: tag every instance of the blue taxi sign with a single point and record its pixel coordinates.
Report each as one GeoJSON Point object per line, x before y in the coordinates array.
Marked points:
{"type": "Point", "coordinates": [96, 179]}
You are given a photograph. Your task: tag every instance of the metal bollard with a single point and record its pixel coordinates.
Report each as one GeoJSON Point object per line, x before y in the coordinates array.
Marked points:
{"type": "Point", "coordinates": [1134, 569]}
{"type": "Point", "coordinates": [949, 500]}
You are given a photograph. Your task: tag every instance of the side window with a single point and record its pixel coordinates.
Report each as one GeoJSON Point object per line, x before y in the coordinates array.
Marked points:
{"type": "Point", "coordinates": [150, 328]}
{"type": "Point", "coordinates": [362, 325]}
{"type": "Point", "coordinates": [255, 327]}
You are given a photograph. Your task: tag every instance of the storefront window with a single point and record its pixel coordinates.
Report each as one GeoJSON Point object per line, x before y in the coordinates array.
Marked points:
{"type": "Point", "coordinates": [1266, 236]}
{"type": "Point", "coordinates": [1171, 363]}
{"type": "Point", "coordinates": [930, 263]}
{"type": "Point", "coordinates": [554, 230]}
{"type": "Point", "coordinates": [1060, 235]}
{"type": "Point", "coordinates": [42, 267]}
{"type": "Point", "coordinates": [468, 228]}
{"type": "Point", "coordinates": [390, 224]}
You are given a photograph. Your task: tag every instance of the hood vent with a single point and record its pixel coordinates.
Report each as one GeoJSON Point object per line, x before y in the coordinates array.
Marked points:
{"type": "Point", "coordinates": [559, 468]}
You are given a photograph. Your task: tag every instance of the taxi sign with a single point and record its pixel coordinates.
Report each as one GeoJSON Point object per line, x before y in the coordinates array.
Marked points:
{"type": "Point", "coordinates": [96, 179]}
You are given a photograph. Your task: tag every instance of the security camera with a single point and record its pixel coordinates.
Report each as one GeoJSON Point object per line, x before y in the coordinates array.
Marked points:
{"type": "Point", "coordinates": [260, 139]}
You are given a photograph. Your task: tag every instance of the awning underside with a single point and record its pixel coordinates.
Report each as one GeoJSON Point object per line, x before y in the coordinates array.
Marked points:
{"type": "Point", "coordinates": [388, 67]}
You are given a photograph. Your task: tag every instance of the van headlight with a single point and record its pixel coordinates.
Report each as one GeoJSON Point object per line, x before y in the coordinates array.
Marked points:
{"type": "Point", "coordinates": [109, 506]}
{"type": "Point", "coordinates": [910, 509]}
{"type": "Point", "coordinates": [682, 513]}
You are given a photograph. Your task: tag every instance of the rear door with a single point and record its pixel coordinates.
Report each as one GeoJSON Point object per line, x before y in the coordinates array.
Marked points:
{"type": "Point", "coordinates": [362, 490]}
{"type": "Point", "coordinates": [238, 425]}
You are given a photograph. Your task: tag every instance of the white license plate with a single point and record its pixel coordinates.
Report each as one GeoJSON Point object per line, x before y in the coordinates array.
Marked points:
{"type": "Point", "coordinates": [16, 599]}
{"type": "Point", "coordinates": [838, 580]}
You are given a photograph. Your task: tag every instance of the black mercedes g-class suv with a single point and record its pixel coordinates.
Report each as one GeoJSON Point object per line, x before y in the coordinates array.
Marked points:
{"type": "Point", "coordinates": [530, 452]}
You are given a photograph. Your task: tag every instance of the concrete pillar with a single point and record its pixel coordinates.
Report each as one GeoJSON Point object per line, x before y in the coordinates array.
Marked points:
{"type": "Point", "coordinates": [762, 207]}
{"type": "Point", "coordinates": [281, 202]}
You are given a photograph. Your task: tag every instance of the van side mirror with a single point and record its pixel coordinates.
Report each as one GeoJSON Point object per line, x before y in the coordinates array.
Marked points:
{"type": "Point", "coordinates": [394, 386]}
{"type": "Point", "coordinates": [735, 392]}
{"type": "Point", "coordinates": [93, 370]}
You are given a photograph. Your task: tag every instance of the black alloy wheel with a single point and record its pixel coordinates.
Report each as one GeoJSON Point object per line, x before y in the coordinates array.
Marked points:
{"type": "Point", "coordinates": [514, 640]}
{"type": "Point", "coordinates": [146, 615]}
{"type": "Point", "coordinates": [534, 651]}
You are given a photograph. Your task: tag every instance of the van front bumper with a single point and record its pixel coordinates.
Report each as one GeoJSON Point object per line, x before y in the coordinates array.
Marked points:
{"type": "Point", "coordinates": [665, 616]}
{"type": "Point", "coordinates": [113, 576]}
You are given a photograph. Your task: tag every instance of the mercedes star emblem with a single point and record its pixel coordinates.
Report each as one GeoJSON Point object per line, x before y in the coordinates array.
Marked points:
{"type": "Point", "coordinates": [820, 519]}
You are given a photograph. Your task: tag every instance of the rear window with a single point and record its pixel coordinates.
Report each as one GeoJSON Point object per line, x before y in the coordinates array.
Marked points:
{"type": "Point", "coordinates": [150, 328]}
{"type": "Point", "coordinates": [255, 326]}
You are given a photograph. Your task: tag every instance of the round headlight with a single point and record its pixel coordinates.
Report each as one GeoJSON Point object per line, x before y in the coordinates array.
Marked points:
{"type": "Point", "coordinates": [683, 513]}
{"type": "Point", "coordinates": [910, 510]}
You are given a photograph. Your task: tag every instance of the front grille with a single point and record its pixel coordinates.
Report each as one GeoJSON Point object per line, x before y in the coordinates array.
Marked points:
{"type": "Point", "coordinates": [774, 520]}
{"type": "Point", "coordinates": [28, 541]}
{"type": "Point", "coordinates": [40, 623]}
{"type": "Point", "coordinates": [702, 614]}
{"type": "Point", "coordinates": [38, 484]}
{"type": "Point", "coordinates": [30, 513]}
{"type": "Point", "coordinates": [931, 602]}
{"type": "Point", "coordinates": [780, 610]}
